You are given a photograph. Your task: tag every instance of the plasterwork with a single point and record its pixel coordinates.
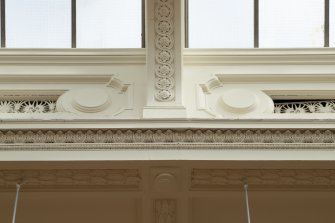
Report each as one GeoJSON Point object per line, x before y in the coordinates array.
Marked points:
{"type": "Point", "coordinates": [218, 100]}
{"type": "Point", "coordinates": [220, 179]}
{"type": "Point", "coordinates": [27, 106]}
{"type": "Point", "coordinates": [164, 50]}
{"type": "Point", "coordinates": [319, 106]}
{"type": "Point", "coordinates": [165, 211]}
{"type": "Point", "coordinates": [117, 96]}
{"type": "Point", "coordinates": [113, 179]}
{"type": "Point", "coordinates": [92, 139]}
{"type": "Point", "coordinates": [162, 146]}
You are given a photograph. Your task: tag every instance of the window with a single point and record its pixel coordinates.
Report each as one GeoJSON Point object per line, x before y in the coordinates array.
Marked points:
{"type": "Point", "coordinates": [260, 23]}
{"type": "Point", "coordinates": [71, 23]}
{"type": "Point", "coordinates": [332, 23]}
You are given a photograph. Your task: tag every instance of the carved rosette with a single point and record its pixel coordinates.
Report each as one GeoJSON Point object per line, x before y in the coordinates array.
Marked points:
{"type": "Point", "coordinates": [164, 50]}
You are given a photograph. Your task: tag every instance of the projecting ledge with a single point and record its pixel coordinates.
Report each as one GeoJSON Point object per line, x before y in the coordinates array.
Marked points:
{"type": "Point", "coordinates": [170, 155]}
{"type": "Point", "coordinates": [70, 121]}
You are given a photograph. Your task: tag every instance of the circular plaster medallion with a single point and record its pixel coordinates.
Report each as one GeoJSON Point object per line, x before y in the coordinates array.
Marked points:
{"type": "Point", "coordinates": [91, 100]}
{"type": "Point", "coordinates": [239, 101]}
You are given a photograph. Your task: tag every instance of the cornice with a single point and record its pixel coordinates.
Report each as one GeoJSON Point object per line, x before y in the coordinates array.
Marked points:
{"type": "Point", "coordinates": [199, 179]}
{"type": "Point", "coordinates": [71, 179]}
{"type": "Point", "coordinates": [109, 139]}
{"type": "Point", "coordinates": [56, 79]}
{"type": "Point", "coordinates": [72, 121]}
{"type": "Point", "coordinates": [74, 56]}
{"type": "Point", "coordinates": [303, 56]}
{"type": "Point", "coordinates": [275, 78]}
{"type": "Point", "coordinates": [288, 179]}
{"type": "Point", "coordinates": [166, 147]}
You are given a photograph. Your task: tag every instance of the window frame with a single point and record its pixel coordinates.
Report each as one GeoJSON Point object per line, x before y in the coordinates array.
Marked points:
{"type": "Point", "coordinates": [73, 24]}
{"type": "Point", "coordinates": [208, 56]}
{"type": "Point", "coordinates": [256, 24]}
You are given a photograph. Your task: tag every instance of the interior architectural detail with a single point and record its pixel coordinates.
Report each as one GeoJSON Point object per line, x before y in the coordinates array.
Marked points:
{"type": "Point", "coordinates": [305, 107]}
{"type": "Point", "coordinates": [85, 100]}
{"type": "Point", "coordinates": [164, 50]}
{"type": "Point", "coordinates": [112, 99]}
{"type": "Point", "coordinates": [165, 183]}
{"type": "Point", "coordinates": [165, 211]}
{"type": "Point", "coordinates": [27, 106]}
{"type": "Point", "coordinates": [166, 133]}
{"type": "Point", "coordinates": [219, 100]}
{"type": "Point", "coordinates": [166, 138]}
{"type": "Point", "coordinates": [225, 179]}
{"type": "Point", "coordinates": [71, 179]}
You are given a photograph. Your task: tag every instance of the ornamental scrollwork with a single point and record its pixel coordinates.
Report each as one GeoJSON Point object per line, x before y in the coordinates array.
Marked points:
{"type": "Point", "coordinates": [190, 137]}
{"type": "Point", "coordinates": [27, 106]}
{"type": "Point", "coordinates": [305, 107]}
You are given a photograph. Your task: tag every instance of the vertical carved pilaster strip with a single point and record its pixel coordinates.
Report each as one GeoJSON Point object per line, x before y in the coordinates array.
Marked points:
{"type": "Point", "coordinates": [164, 51]}
{"type": "Point", "coordinates": [165, 211]}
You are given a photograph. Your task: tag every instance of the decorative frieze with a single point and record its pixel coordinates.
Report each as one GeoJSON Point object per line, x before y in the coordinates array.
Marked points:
{"type": "Point", "coordinates": [167, 138]}
{"type": "Point", "coordinates": [305, 107]}
{"type": "Point", "coordinates": [164, 48]}
{"type": "Point", "coordinates": [110, 179]}
{"type": "Point", "coordinates": [165, 211]}
{"type": "Point", "coordinates": [30, 106]}
{"type": "Point", "coordinates": [220, 179]}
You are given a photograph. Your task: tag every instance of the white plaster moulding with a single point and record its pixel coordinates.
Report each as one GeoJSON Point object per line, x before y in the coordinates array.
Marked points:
{"type": "Point", "coordinates": [275, 78]}
{"type": "Point", "coordinates": [71, 121]}
{"type": "Point", "coordinates": [263, 80]}
{"type": "Point", "coordinates": [74, 56]}
{"type": "Point", "coordinates": [305, 56]}
{"type": "Point", "coordinates": [156, 156]}
{"type": "Point", "coordinates": [301, 94]}
{"type": "Point", "coordinates": [56, 79]}
{"type": "Point", "coordinates": [64, 79]}
{"type": "Point", "coordinates": [136, 147]}
{"type": "Point", "coordinates": [34, 95]}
